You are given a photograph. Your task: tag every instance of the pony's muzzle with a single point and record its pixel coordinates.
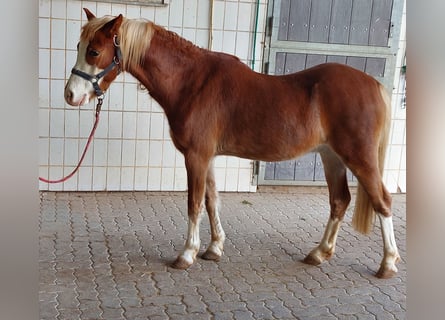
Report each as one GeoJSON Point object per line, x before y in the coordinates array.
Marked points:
{"type": "Point", "coordinates": [74, 101]}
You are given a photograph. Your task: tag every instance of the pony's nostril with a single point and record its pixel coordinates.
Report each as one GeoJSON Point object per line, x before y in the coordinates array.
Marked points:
{"type": "Point", "coordinates": [68, 94]}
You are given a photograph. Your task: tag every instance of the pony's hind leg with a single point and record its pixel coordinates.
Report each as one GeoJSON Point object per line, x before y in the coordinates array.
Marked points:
{"type": "Point", "coordinates": [215, 249]}
{"type": "Point", "coordinates": [339, 198]}
{"type": "Point", "coordinates": [380, 201]}
{"type": "Point", "coordinates": [391, 255]}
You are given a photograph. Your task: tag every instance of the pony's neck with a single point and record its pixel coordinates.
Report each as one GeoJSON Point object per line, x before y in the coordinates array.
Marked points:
{"type": "Point", "coordinates": [168, 67]}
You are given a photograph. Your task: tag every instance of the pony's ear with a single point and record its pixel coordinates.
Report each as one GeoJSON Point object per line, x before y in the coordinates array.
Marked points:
{"type": "Point", "coordinates": [89, 14]}
{"type": "Point", "coordinates": [111, 28]}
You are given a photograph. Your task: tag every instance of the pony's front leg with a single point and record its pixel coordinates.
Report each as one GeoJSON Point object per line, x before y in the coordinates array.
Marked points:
{"type": "Point", "coordinates": [196, 177]}
{"type": "Point", "coordinates": [192, 244]}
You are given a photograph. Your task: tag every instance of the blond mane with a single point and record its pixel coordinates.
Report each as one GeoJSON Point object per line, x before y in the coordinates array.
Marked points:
{"type": "Point", "coordinates": [134, 37]}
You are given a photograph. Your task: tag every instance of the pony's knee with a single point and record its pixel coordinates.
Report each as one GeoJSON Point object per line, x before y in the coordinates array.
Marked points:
{"type": "Point", "coordinates": [211, 200]}
{"type": "Point", "coordinates": [195, 212]}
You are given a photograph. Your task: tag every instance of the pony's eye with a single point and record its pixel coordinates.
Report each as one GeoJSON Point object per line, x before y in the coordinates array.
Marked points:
{"type": "Point", "coordinates": [93, 53]}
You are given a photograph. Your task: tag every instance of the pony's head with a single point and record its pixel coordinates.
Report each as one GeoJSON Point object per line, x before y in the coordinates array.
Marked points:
{"type": "Point", "coordinates": [98, 60]}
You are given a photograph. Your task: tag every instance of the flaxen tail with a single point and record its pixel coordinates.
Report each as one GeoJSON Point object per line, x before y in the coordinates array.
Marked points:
{"type": "Point", "coordinates": [364, 215]}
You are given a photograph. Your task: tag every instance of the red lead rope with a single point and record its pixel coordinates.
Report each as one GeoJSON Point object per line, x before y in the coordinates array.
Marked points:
{"type": "Point", "coordinates": [90, 138]}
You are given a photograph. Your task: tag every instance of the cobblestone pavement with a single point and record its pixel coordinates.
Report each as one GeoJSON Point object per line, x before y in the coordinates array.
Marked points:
{"type": "Point", "coordinates": [105, 255]}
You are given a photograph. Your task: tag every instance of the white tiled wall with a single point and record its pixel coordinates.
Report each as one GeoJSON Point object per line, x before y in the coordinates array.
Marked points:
{"type": "Point", "coordinates": [132, 149]}
{"type": "Point", "coordinates": [395, 166]}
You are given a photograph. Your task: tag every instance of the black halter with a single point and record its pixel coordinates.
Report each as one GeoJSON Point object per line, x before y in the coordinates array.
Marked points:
{"type": "Point", "coordinates": [94, 79]}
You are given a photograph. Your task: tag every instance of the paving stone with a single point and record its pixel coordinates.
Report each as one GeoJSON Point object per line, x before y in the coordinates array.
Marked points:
{"type": "Point", "coordinates": [48, 310]}
{"type": "Point", "coordinates": [223, 315]}
{"type": "Point", "coordinates": [194, 304]}
{"type": "Point", "coordinates": [106, 255]}
{"type": "Point", "coordinates": [147, 312]}
{"type": "Point", "coordinates": [112, 313]}
{"type": "Point", "coordinates": [68, 299]}
{"type": "Point", "coordinates": [242, 315]}
{"type": "Point", "coordinates": [90, 309]}
{"type": "Point", "coordinates": [193, 316]}
{"type": "Point", "coordinates": [367, 316]}
{"type": "Point", "coordinates": [346, 309]}
{"type": "Point", "coordinates": [222, 306]}
{"type": "Point", "coordinates": [259, 310]}
{"type": "Point", "coordinates": [314, 311]}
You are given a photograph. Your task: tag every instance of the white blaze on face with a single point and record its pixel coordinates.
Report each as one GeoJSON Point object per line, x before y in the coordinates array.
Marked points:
{"type": "Point", "coordinates": [78, 90]}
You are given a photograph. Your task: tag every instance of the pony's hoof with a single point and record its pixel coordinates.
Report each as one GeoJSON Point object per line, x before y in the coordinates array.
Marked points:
{"type": "Point", "coordinates": [210, 255]}
{"type": "Point", "coordinates": [180, 263]}
{"type": "Point", "coordinates": [388, 267]}
{"type": "Point", "coordinates": [312, 260]}
{"type": "Point", "coordinates": [385, 272]}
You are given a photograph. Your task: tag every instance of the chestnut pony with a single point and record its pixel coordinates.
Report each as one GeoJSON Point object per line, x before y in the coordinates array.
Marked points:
{"type": "Point", "coordinates": [216, 105]}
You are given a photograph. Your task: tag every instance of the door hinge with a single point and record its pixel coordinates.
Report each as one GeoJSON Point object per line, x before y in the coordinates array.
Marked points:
{"type": "Point", "coordinates": [269, 26]}
{"type": "Point", "coordinates": [266, 68]}
{"type": "Point", "coordinates": [255, 172]}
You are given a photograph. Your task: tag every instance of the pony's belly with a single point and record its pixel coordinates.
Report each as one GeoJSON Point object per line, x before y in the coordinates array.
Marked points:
{"type": "Point", "coordinates": [272, 154]}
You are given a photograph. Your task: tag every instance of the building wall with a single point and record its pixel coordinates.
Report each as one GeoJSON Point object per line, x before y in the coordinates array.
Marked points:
{"type": "Point", "coordinates": [395, 166]}
{"type": "Point", "coordinates": [132, 149]}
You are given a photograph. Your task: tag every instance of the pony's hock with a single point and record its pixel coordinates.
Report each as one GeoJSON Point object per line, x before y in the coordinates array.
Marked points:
{"type": "Point", "coordinates": [216, 105]}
